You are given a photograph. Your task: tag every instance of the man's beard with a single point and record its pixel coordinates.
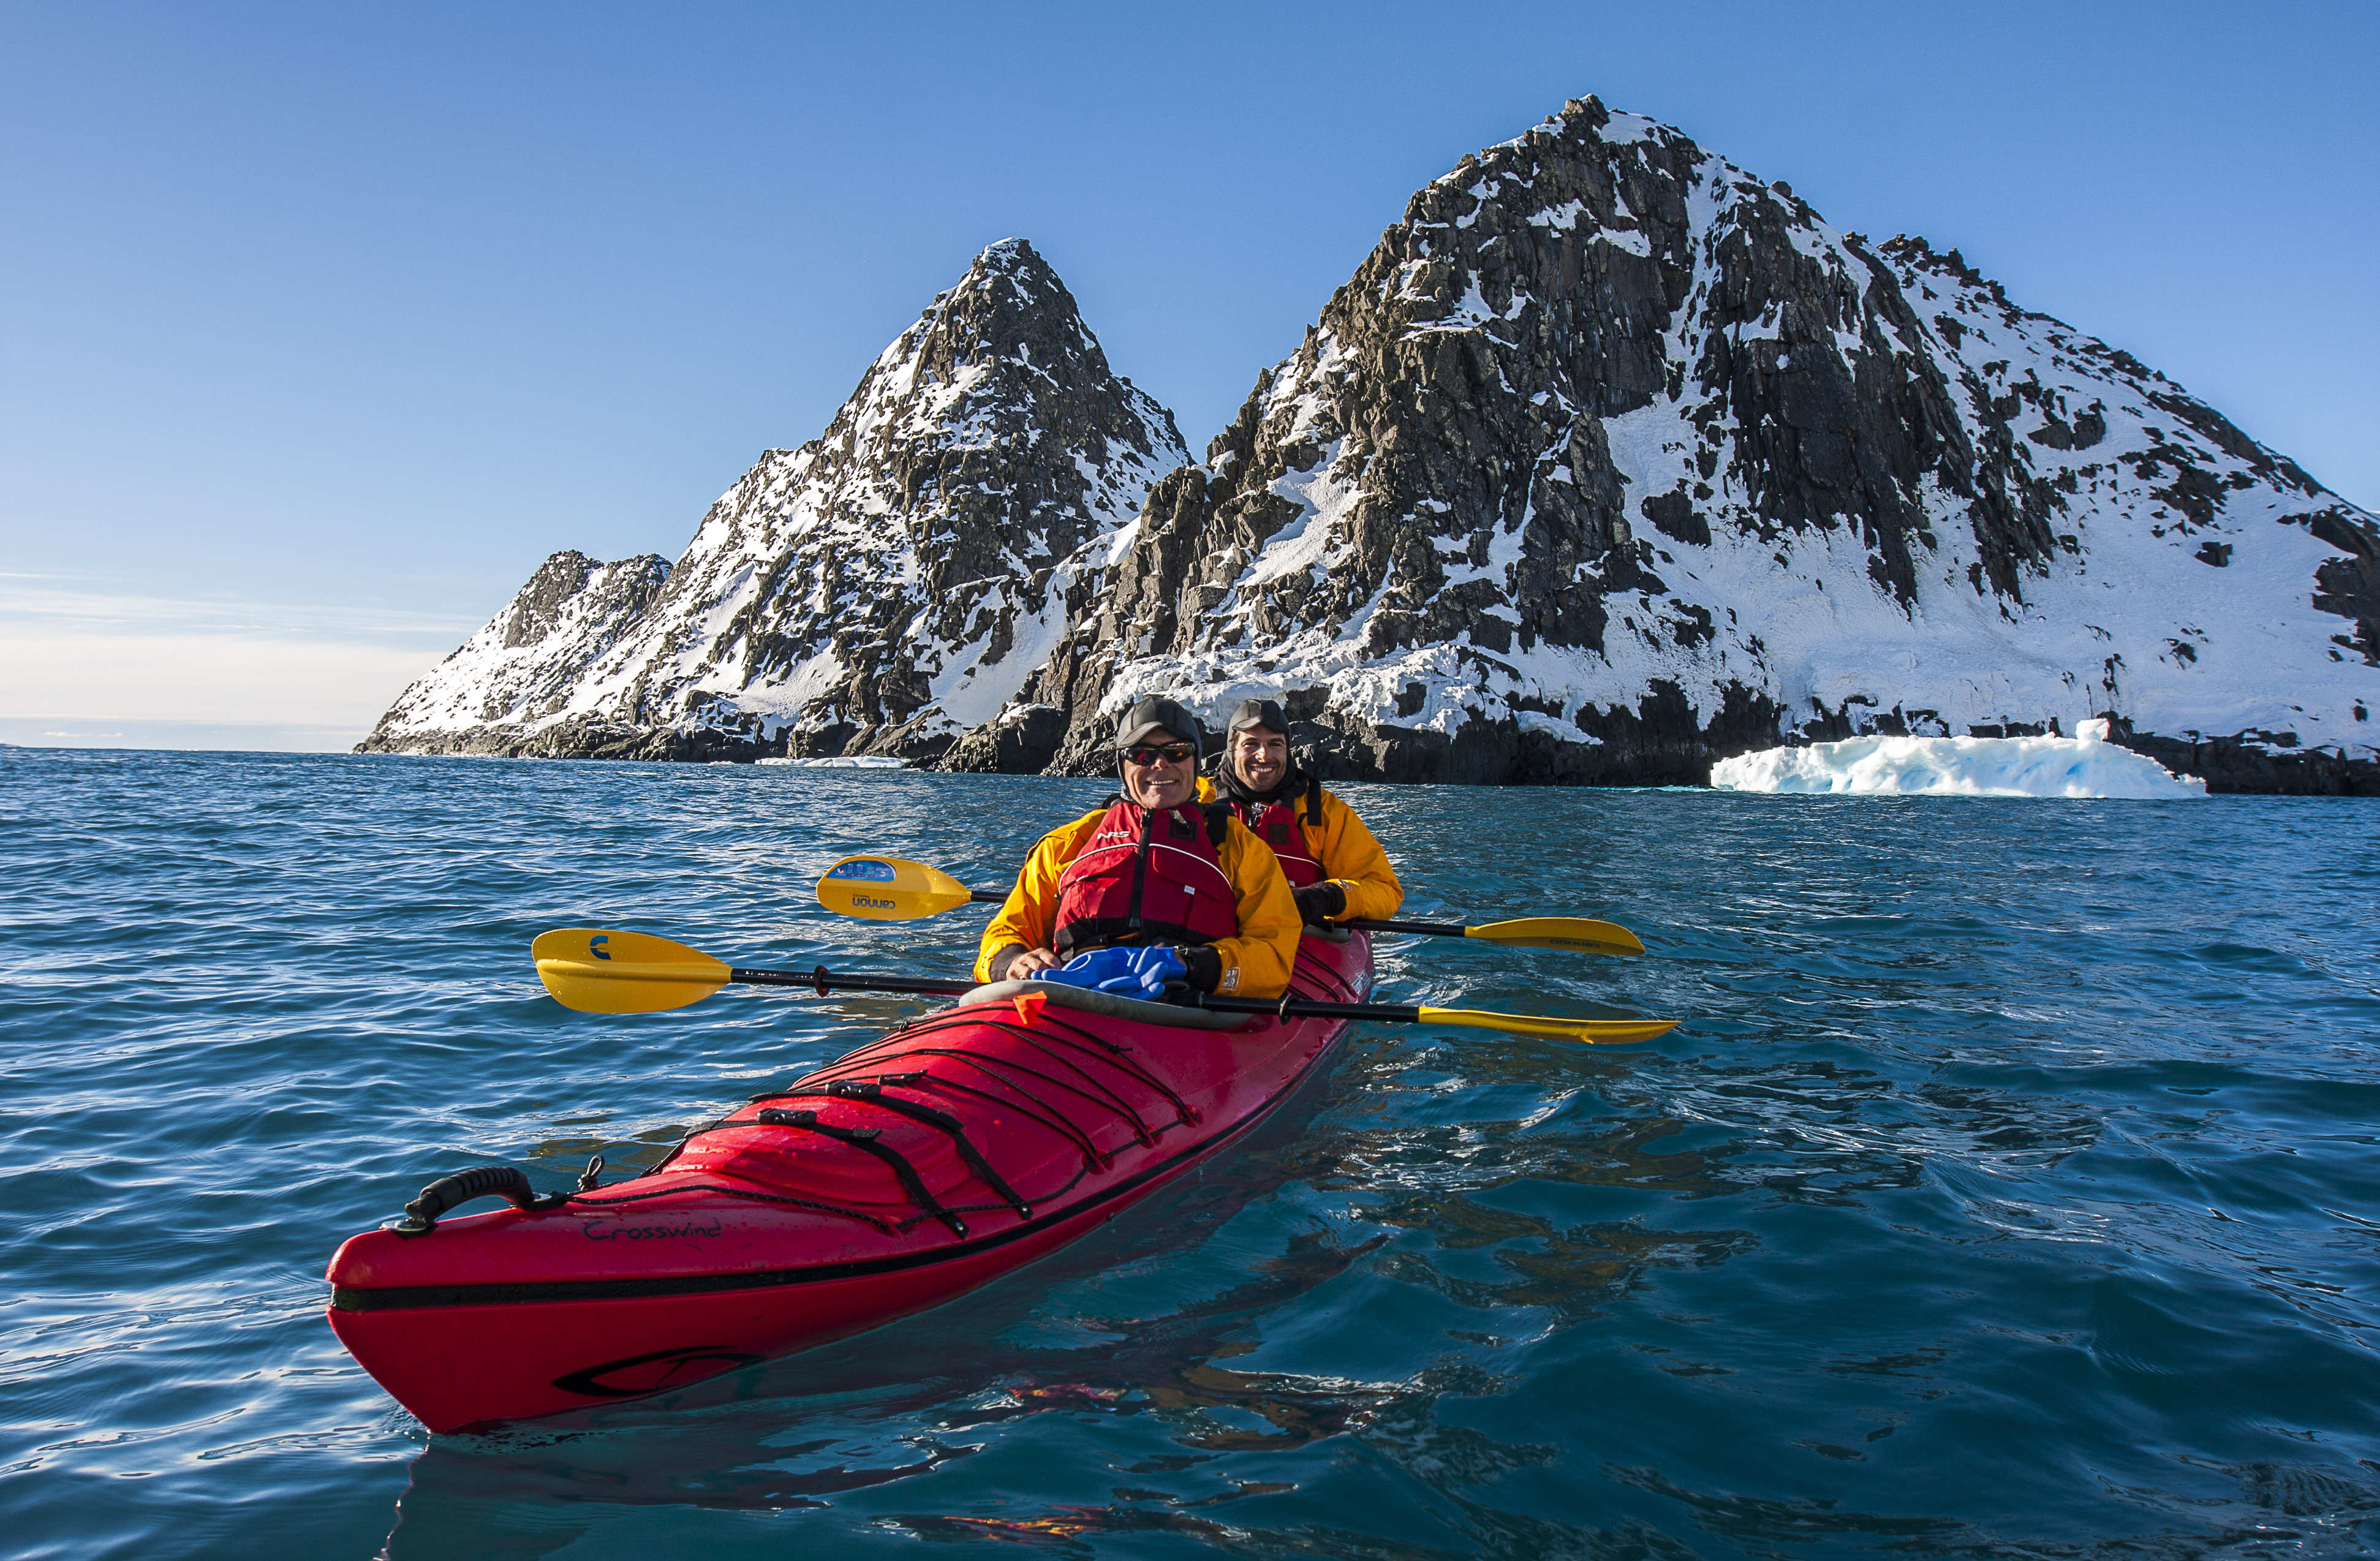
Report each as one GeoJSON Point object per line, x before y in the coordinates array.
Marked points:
{"type": "Point", "coordinates": [1228, 779]}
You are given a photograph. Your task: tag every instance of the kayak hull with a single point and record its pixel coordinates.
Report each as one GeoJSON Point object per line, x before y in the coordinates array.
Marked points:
{"type": "Point", "coordinates": [934, 1160]}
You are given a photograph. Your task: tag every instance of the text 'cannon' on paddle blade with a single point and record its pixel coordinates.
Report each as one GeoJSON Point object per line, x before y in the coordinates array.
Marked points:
{"type": "Point", "coordinates": [889, 889]}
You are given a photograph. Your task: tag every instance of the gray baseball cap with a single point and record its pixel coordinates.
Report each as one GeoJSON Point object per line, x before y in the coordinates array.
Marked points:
{"type": "Point", "coordinates": [1153, 716]}
{"type": "Point", "coordinates": [1258, 712]}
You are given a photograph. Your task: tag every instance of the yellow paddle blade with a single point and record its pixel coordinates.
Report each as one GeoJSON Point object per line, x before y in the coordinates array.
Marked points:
{"type": "Point", "coordinates": [889, 889]}
{"type": "Point", "coordinates": [1601, 1032]}
{"type": "Point", "coordinates": [598, 972]}
{"type": "Point", "coordinates": [1560, 932]}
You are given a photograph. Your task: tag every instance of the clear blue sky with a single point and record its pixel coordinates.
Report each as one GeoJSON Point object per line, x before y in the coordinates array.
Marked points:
{"type": "Point", "coordinates": [319, 327]}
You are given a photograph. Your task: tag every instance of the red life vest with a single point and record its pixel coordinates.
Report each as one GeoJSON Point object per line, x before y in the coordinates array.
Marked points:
{"type": "Point", "coordinates": [1275, 824]}
{"type": "Point", "coordinates": [1147, 877]}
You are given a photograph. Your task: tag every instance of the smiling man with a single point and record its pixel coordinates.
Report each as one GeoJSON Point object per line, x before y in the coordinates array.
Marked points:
{"type": "Point", "coordinates": [1165, 889]}
{"type": "Point", "coordinates": [1335, 868]}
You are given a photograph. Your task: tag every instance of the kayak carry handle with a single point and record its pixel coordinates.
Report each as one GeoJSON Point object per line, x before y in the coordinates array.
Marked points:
{"type": "Point", "coordinates": [420, 1216]}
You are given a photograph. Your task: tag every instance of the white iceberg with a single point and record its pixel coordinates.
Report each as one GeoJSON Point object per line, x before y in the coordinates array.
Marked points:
{"type": "Point", "coordinates": [2086, 764]}
{"type": "Point", "coordinates": [855, 762]}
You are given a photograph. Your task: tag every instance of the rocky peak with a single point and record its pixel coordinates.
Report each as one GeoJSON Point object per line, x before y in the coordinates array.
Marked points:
{"type": "Point", "coordinates": [1611, 458]}
{"type": "Point", "coordinates": [890, 582]}
{"type": "Point", "coordinates": [569, 586]}
{"type": "Point", "coordinates": [531, 656]}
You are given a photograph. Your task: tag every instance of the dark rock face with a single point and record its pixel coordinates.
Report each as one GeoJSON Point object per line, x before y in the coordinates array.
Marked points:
{"type": "Point", "coordinates": [1612, 460]}
{"type": "Point", "coordinates": [2349, 584]}
{"type": "Point", "coordinates": [880, 590]}
{"type": "Point", "coordinates": [2233, 764]}
{"type": "Point", "coordinates": [1021, 743]}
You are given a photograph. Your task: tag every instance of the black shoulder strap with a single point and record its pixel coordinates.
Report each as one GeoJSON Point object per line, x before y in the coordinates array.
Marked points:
{"type": "Point", "coordinates": [1314, 801]}
{"type": "Point", "coordinates": [1140, 870]}
{"type": "Point", "coordinates": [1219, 822]}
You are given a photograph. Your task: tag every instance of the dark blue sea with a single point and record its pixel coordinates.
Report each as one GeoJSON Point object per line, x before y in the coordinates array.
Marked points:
{"type": "Point", "coordinates": [2011, 1189]}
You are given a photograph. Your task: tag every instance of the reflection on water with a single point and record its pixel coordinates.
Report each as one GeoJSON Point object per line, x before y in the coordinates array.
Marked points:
{"type": "Point", "coordinates": [2012, 1193]}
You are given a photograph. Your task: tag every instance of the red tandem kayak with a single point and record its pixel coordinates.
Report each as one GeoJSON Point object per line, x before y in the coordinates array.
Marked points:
{"type": "Point", "coordinates": [956, 1149]}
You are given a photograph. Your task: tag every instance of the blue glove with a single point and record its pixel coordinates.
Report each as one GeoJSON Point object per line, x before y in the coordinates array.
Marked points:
{"type": "Point", "coordinates": [1128, 972]}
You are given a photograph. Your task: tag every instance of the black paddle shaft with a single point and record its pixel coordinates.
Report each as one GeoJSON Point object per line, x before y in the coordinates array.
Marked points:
{"type": "Point", "coordinates": [1418, 929]}
{"type": "Point", "coordinates": [1421, 929]}
{"type": "Point", "coordinates": [1305, 1009]}
{"type": "Point", "coordinates": [823, 981]}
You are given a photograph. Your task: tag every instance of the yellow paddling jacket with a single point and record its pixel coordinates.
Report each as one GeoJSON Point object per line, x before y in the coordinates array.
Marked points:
{"type": "Point", "coordinates": [1350, 858]}
{"type": "Point", "coordinates": [1256, 962]}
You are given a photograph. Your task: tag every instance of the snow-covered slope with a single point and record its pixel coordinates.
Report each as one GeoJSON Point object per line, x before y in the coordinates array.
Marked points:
{"type": "Point", "coordinates": [882, 588]}
{"type": "Point", "coordinates": [1611, 459]}
{"type": "Point", "coordinates": [528, 660]}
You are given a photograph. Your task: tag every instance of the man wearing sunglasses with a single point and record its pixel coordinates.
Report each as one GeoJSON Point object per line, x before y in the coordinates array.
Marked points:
{"type": "Point", "coordinates": [1335, 868]}
{"type": "Point", "coordinates": [1155, 890]}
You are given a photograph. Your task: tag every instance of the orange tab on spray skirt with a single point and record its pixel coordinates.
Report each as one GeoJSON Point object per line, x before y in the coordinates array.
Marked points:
{"type": "Point", "coordinates": [1029, 1007]}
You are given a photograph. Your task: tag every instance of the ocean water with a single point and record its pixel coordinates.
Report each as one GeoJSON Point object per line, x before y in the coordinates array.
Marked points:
{"type": "Point", "coordinates": [2010, 1192]}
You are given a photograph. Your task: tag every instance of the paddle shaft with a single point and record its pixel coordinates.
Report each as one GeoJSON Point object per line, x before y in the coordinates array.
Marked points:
{"type": "Point", "coordinates": [1305, 1009]}
{"type": "Point", "coordinates": [1412, 929]}
{"type": "Point", "coordinates": [889, 889]}
{"type": "Point", "coordinates": [823, 981]}
{"type": "Point", "coordinates": [1417, 929]}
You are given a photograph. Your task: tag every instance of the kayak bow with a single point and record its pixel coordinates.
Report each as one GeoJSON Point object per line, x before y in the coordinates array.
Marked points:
{"type": "Point", "coordinates": [959, 1147]}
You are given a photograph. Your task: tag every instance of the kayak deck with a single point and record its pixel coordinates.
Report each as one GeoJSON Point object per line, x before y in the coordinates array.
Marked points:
{"type": "Point", "coordinates": [935, 1158]}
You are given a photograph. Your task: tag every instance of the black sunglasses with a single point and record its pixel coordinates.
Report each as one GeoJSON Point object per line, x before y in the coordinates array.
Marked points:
{"type": "Point", "coordinates": [1149, 753]}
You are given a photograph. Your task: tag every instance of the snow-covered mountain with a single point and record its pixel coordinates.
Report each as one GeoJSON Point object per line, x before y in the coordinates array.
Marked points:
{"type": "Point", "coordinates": [881, 589]}
{"type": "Point", "coordinates": [1612, 459]}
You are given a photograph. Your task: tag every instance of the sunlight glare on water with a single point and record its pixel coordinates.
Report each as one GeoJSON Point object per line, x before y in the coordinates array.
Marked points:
{"type": "Point", "coordinates": [2011, 1189]}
